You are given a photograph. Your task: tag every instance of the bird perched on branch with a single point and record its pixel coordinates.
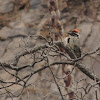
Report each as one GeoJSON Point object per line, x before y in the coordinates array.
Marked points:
{"type": "Point", "coordinates": [73, 41]}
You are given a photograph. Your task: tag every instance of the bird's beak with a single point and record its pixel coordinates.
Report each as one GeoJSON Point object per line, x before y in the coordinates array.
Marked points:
{"type": "Point", "coordinates": [69, 33]}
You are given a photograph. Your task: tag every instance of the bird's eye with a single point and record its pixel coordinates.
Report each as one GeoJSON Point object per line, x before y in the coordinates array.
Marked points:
{"type": "Point", "coordinates": [74, 31]}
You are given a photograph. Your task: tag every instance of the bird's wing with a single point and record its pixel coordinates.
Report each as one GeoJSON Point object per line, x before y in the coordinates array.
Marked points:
{"type": "Point", "coordinates": [77, 51]}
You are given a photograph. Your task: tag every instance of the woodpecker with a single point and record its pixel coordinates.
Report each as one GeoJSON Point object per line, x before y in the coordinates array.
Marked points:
{"type": "Point", "coordinates": [73, 41]}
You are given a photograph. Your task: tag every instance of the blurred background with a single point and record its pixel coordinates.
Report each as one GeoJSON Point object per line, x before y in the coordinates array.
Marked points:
{"type": "Point", "coordinates": [21, 18]}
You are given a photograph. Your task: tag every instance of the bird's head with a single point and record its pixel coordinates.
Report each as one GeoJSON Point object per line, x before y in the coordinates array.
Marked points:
{"type": "Point", "coordinates": [74, 32]}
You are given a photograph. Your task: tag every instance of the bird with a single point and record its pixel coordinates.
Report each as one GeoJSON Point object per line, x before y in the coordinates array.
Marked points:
{"type": "Point", "coordinates": [73, 41]}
